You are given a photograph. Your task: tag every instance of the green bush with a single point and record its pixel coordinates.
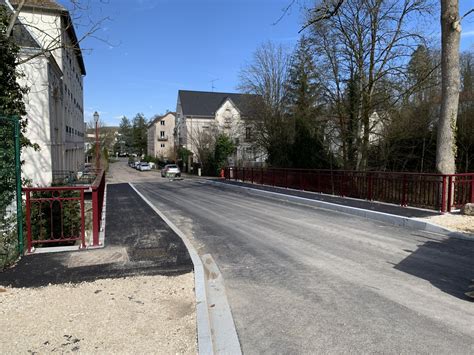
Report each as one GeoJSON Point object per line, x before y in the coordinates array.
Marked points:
{"type": "Point", "coordinates": [8, 242]}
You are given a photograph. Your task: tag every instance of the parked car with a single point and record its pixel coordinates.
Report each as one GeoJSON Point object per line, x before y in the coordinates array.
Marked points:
{"type": "Point", "coordinates": [136, 164]}
{"type": "Point", "coordinates": [144, 166]}
{"type": "Point", "coordinates": [170, 169]}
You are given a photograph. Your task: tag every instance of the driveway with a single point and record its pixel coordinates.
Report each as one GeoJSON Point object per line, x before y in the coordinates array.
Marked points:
{"type": "Point", "coordinates": [300, 279]}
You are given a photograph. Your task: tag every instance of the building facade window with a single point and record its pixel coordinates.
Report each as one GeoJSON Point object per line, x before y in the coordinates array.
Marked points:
{"type": "Point", "coordinates": [162, 134]}
{"type": "Point", "coordinates": [248, 133]}
{"type": "Point", "coordinates": [162, 145]}
{"type": "Point", "coordinates": [162, 123]}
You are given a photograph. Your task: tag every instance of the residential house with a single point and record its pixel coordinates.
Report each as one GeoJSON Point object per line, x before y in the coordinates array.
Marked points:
{"type": "Point", "coordinates": [54, 75]}
{"type": "Point", "coordinates": [199, 113]}
{"type": "Point", "coordinates": [160, 135]}
{"type": "Point", "coordinates": [109, 137]}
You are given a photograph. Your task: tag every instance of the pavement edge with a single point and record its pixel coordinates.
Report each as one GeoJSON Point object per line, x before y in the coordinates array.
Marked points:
{"type": "Point", "coordinates": [208, 336]}
{"type": "Point", "coordinates": [400, 221]}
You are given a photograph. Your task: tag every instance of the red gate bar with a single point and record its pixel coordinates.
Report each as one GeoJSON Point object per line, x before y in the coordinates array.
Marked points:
{"type": "Point", "coordinates": [46, 207]}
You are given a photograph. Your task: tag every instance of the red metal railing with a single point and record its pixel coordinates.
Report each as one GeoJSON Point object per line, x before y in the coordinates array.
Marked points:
{"type": "Point", "coordinates": [57, 215]}
{"type": "Point", "coordinates": [98, 190]}
{"type": "Point", "coordinates": [431, 191]}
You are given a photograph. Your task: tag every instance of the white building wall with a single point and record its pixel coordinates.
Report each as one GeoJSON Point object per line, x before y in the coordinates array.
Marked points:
{"type": "Point", "coordinates": [38, 164]}
{"type": "Point", "coordinates": [49, 30]}
{"type": "Point", "coordinates": [46, 28]}
{"type": "Point", "coordinates": [227, 119]}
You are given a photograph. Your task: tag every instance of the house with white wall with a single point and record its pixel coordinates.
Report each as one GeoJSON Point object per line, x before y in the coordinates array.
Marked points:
{"type": "Point", "coordinates": [200, 112]}
{"type": "Point", "coordinates": [53, 71]}
{"type": "Point", "coordinates": [160, 136]}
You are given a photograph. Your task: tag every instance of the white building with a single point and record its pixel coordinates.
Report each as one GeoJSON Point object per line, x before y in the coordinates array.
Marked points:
{"type": "Point", "coordinates": [54, 103]}
{"type": "Point", "coordinates": [160, 137]}
{"type": "Point", "coordinates": [199, 112]}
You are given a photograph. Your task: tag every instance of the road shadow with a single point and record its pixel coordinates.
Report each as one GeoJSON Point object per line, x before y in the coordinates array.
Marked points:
{"type": "Point", "coordinates": [447, 264]}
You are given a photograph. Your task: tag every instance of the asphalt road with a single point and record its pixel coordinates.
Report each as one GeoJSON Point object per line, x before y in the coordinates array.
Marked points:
{"type": "Point", "coordinates": [301, 279]}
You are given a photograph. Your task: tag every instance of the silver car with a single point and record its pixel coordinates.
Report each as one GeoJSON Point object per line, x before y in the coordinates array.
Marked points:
{"type": "Point", "coordinates": [144, 166]}
{"type": "Point", "coordinates": [171, 170]}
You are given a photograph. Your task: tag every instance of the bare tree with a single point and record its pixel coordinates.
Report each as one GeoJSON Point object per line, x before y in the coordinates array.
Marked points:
{"type": "Point", "coordinates": [450, 86]}
{"type": "Point", "coordinates": [362, 48]}
{"type": "Point", "coordinates": [265, 77]}
{"type": "Point", "coordinates": [450, 70]}
{"type": "Point", "coordinates": [107, 135]}
{"type": "Point", "coordinates": [203, 141]}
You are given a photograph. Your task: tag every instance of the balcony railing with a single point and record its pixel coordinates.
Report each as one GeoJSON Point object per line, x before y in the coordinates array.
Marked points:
{"type": "Point", "coordinates": [161, 139]}
{"type": "Point", "coordinates": [430, 191]}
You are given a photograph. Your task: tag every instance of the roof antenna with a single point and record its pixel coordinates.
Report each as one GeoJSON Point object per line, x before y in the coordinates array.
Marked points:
{"type": "Point", "coordinates": [212, 84]}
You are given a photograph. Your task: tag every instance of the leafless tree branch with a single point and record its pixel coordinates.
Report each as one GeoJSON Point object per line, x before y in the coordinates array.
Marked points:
{"type": "Point", "coordinates": [327, 10]}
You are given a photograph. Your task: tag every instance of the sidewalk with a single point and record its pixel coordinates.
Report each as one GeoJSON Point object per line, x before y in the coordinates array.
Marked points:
{"type": "Point", "coordinates": [137, 242]}
{"type": "Point", "coordinates": [409, 212]}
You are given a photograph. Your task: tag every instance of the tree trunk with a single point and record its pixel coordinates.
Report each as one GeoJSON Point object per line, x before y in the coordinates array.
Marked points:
{"type": "Point", "coordinates": [450, 37]}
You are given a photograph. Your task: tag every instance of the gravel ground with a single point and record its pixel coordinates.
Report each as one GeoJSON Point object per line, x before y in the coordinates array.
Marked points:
{"type": "Point", "coordinates": [455, 221]}
{"type": "Point", "coordinates": [142, 314]}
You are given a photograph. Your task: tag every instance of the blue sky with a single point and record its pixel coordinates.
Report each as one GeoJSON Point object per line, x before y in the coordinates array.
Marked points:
{"type": "Point", "coordinates": [154, 48]}
{"type": "Point", "coordinates": [161, 46]}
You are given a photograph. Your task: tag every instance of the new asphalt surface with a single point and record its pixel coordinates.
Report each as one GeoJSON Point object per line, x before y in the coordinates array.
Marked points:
{"type": "Point", "coordinates": [137, 242]}
{"type": "Point", "coordinates": [302, 279]}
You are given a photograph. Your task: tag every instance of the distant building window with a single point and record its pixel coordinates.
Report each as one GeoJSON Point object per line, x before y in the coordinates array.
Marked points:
{"type": "Point", "coordinates": [227, 115]}
{"type": "Point", "coordinates": [248, 132]}
{"type": "Point", "coordinates": [162, 134]}
{"type": "Point", "coordinates": [162, 145]}
{"type": "Point", "coordinates": [162, 123]}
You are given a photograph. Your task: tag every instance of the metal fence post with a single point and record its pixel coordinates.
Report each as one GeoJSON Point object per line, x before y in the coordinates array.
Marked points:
{"type": "Point", "coordinates": [19, 208]}
{"type": "Point", "coordinates": [95, 217]}
{"type": "Point", "coordinates": [404, 191]}
{"type": "Point", "coordinates": [83, 221]}
{"type": "Point", "coordinates": [472, 189]}
{"type": "Point", "coordinates": [450, 193]}
{"type": "Point", "coordinates": [443, 195]}
{"type": "Point", "coordinates": [28, 220]}
{"type": "Point", "coordinates": [369, 186]}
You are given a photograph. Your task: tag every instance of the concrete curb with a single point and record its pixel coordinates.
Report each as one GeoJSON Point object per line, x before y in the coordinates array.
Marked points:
{"type": "Point", "coordinates": [225, 337]}
{"type": "Point", "coordinates": [400, 221]}
{"type": "Point", "coordinates": [211, 336]}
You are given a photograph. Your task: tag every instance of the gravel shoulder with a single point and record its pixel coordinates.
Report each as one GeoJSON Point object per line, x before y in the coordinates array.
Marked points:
{"type": "Point", "coordinates": [458, 222]}
{"type": "Point", "coordinates": [142, 314]}
{"type": "Point", "coordinates": [111, 300]}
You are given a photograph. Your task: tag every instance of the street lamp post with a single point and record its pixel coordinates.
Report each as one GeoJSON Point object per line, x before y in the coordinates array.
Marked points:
{"type": "Point", "coordinates": [97, 146]}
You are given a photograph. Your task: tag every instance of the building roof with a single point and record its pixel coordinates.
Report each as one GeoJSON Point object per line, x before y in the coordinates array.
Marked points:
{"type": "Point", "coordinates": [159, 118]}
{"type": "Point", "coordinates": [20, 33]}
{"type": "Point", "coordinates": [53, 6]}
{"type": "Point", "coordinates": [205, 103]}
{"type": "Point", "coordinates": [46, 4]}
